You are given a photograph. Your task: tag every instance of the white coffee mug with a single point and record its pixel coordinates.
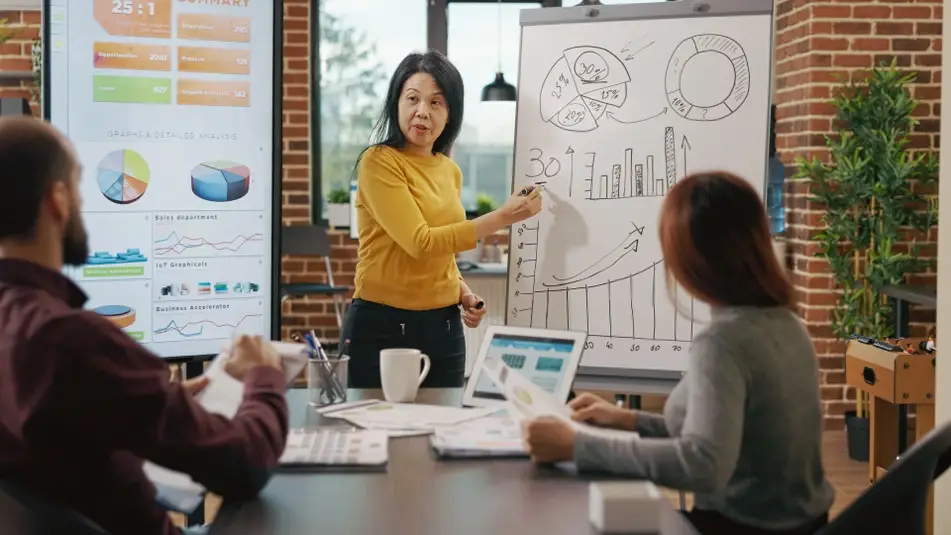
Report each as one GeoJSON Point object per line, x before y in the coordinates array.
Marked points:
{"type": "Point", "coordinates": [400, 375]}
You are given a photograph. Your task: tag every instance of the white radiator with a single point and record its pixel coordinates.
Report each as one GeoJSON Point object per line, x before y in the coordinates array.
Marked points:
{"type": "Point", "coordinates": [492, 290]}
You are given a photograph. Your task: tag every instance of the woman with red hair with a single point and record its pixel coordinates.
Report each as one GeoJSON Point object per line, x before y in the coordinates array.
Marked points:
{"type": "Point", "coordinates": [742, 430]}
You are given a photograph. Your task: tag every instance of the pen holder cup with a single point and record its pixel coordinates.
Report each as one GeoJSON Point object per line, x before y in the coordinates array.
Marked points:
{"type": "Point", "coordinates": [327, 380]}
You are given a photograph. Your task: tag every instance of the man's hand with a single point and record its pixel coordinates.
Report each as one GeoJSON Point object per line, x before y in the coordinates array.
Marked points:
{"type": "Point", "coordinates": [195, 385]}
{"type": "Point", "coordinates": [249, 352]}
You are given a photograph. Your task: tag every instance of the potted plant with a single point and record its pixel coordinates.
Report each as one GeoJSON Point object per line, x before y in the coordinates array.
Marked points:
{"type": "Point", "coordinates": [36, 91]}
{"type": "Point", "coordinates": [338, 207]}
{"type": "Point", "coordinates": [484, 204]}
{"type": "Point", "coordinates": [870, 189]}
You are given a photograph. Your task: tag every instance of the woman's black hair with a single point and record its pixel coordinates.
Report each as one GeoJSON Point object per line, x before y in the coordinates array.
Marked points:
{"type": "Point", "coordinates": [387, 129]}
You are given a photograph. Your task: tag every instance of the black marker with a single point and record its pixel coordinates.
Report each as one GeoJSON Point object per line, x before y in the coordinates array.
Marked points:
{"type": "Point", "coordinates": [526, 190]}
{"type": "Point", "coordinates": [480, 305]}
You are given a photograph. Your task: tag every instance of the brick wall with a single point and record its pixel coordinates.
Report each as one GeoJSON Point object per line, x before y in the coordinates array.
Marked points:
{"type": "Point", "coordinates": [816, 42]}
{"type": "Point", "coordinates": [16, 54]}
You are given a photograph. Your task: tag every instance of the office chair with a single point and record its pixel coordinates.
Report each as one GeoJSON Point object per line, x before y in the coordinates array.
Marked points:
{"type": "Point", "coordinates": [897, 502]}
{"type": "Point", "coordinates": [309, 240]}
{"type": "Point", "coordinates": [25, 513]}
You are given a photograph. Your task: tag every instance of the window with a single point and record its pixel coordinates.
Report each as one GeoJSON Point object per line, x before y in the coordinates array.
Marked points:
{"type": "Point", "coordinates": [485, 146]}
{"type": "Point", "coordinates": [360, 44]}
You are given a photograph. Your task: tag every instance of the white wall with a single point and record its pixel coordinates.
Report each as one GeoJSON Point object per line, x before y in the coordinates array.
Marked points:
{"type": "Point", "coordinates": [942, 521]}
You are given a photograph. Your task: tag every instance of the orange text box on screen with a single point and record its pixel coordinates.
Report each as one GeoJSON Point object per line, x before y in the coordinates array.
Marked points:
{"type": "Point", "coordinates": [201, 27]}
{"type": "Point", "coordinates": [214, 60]}
{"type": "Point", "coordinates": [132, 56]}
{"type": "Point", "coordinates": [213, 93]}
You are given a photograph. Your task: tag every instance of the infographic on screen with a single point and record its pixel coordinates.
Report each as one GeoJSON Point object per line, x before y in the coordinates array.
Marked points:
{"type": "Point", "coordinates": [169, 105]}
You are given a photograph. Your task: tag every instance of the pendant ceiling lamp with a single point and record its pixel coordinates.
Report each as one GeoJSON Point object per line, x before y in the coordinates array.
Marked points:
{"type": "Point", "coordinates": [499, 90]}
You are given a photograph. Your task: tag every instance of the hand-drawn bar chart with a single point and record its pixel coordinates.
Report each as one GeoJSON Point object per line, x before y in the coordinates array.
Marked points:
{"type": "Point", "coordinates": [646, 178]}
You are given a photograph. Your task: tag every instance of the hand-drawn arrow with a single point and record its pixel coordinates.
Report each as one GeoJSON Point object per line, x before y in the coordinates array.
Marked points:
{"type": "Point", "coordinates": [611, 115]}
{"type": "Point", "coordinates": [571, 168]}
{"type": "Point", "coordinates": [685, 148]}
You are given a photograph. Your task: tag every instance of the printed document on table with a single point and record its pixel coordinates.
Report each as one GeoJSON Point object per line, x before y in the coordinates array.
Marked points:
{"type": "Point", "coordinates": [530, 401]}
{"type": "Point", "coordinates": [496, 434]}
{"type": "Point", "coordinates": [385, 415]}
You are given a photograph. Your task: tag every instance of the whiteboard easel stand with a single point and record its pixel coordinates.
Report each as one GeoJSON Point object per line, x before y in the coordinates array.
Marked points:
{"type": "Point", "coordinates": [641, 381]}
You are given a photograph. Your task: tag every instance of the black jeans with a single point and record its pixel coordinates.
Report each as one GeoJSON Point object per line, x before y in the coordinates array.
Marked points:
{"type": "Point", "coordinates": [714, 523]}
{"type": "Point", "coordinates": [370, 327]}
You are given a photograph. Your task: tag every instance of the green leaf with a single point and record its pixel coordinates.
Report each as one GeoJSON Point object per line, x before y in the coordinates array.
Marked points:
{"type": "Point", "coordinates": [868, 193]}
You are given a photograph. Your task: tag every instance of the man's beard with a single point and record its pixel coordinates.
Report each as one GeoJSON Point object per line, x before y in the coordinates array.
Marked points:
{"type": "Point", "coordinates": [75, 242]}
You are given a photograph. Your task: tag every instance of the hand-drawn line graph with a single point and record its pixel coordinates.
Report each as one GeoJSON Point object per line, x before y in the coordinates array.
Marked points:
{"type": "Point", "coordinates": [616, 309]}
{"type": "Point", "coordinates": [173, 244]}
{"type": "Point", "coordinates": [606, 262]}
{"type": "Point", "coordinates": [195, 329]}
{"type": "Point", "coordinates": [708, 77]}
{"type": "Point", "coordinates": [620, 300]}
{"type": "Point", "coordinates": [648, 178]}
{"type": "Point", "coordinates": [581, 87]}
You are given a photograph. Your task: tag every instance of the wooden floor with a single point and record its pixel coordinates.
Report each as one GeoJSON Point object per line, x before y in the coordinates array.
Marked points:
{"type": "Point", "coordinates": [850, 478]}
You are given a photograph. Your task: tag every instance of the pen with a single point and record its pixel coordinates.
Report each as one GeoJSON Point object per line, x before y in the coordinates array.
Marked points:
{"type": "Point", "coordinates": [479, 305]}
{"type": "Point", "coordinates": [526, 190]}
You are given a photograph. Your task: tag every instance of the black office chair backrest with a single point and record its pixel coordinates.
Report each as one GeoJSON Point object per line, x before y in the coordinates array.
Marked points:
{"type": "Point", "coordinates": [305, 240]}
{"type": "Point", "coordinates": [22, 512]}
{"type": "Point", "coordinates": [897, 502]}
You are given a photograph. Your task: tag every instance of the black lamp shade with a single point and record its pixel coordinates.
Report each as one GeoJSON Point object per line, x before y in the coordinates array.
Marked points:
{"type": "Point", "coordinates": [499, 90]}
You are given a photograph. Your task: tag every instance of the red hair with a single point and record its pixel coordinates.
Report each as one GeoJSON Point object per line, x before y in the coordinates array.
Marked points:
{"type": "Point", "coordinates": [716, 243]}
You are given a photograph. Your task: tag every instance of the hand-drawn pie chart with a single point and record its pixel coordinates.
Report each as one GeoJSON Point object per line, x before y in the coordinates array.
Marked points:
{"type": "Point", "coordinates": [123, 176]}
{"type": "Point", "coordinates": [581, 86]}
{"type": "Point", "coordinates": [119, 315]}
{"type": "Point", "coordinates": [708, 77]}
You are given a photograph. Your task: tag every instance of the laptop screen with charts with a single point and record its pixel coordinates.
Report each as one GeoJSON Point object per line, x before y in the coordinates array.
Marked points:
{"type": "Point", "coordinates": [549, 358]}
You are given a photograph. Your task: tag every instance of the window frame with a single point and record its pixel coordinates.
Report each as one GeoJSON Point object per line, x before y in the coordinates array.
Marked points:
{"type": "Point", "coordinates": [437, 38]}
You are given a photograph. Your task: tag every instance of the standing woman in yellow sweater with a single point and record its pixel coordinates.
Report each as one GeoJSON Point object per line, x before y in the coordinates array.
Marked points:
{"type": "Point", "coordinates": [412, 223]}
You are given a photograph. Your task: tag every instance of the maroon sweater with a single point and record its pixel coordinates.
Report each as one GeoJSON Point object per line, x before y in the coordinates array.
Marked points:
{"type": "Point", "coordinates": [82, 404]}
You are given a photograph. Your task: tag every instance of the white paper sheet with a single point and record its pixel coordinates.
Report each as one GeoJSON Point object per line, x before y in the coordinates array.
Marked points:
{"type": "Point", "coordinates": [495, 434]}
{"type": "Point", "coordinates": [529, 401]}
{"type": "Point", "coordinates": [223, 396]}
{"type": "Point", "coordinates": [407, 416]}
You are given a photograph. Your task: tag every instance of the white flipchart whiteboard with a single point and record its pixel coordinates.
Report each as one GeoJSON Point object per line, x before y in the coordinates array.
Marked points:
{"type": "Point", "coordinates": [617, 103]}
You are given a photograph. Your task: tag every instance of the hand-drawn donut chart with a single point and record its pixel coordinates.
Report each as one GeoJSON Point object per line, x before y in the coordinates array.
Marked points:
{"type": "Point", "coordinates": [580, 87]}
{"type": "Point", "coordinates": [708, 77]}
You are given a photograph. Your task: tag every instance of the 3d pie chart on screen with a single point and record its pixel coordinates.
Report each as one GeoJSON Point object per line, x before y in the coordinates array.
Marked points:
{"type": "Point", "coordinates": [221, 181]}
{"type": "Point", "coordinates": [120, 315]}
{"type": "Point", "coordinates": [123, 176]}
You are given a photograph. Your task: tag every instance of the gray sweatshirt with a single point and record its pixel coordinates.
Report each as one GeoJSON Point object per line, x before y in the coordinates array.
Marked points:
{"type": "Point", "coordinates": [742, 429]}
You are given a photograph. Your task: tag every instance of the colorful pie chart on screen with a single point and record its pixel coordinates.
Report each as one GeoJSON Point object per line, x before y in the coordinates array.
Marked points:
{"type": "Point", "coordinates": [123, 176]}
{"type": "Point", "coordinates": [120, 315]}
{"type": "Point", "coordinates": [221, 181]}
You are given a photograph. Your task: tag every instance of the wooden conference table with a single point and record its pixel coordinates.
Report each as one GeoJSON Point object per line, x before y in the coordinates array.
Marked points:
{"type": "Point", "coordinates": [418, 494]}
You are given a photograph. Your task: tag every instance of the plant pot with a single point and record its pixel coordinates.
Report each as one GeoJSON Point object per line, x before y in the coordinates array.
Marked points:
{"type": "Point", "coordinates": [338, 215]}
{"type": "Point", "coordinates": [857, 436]}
